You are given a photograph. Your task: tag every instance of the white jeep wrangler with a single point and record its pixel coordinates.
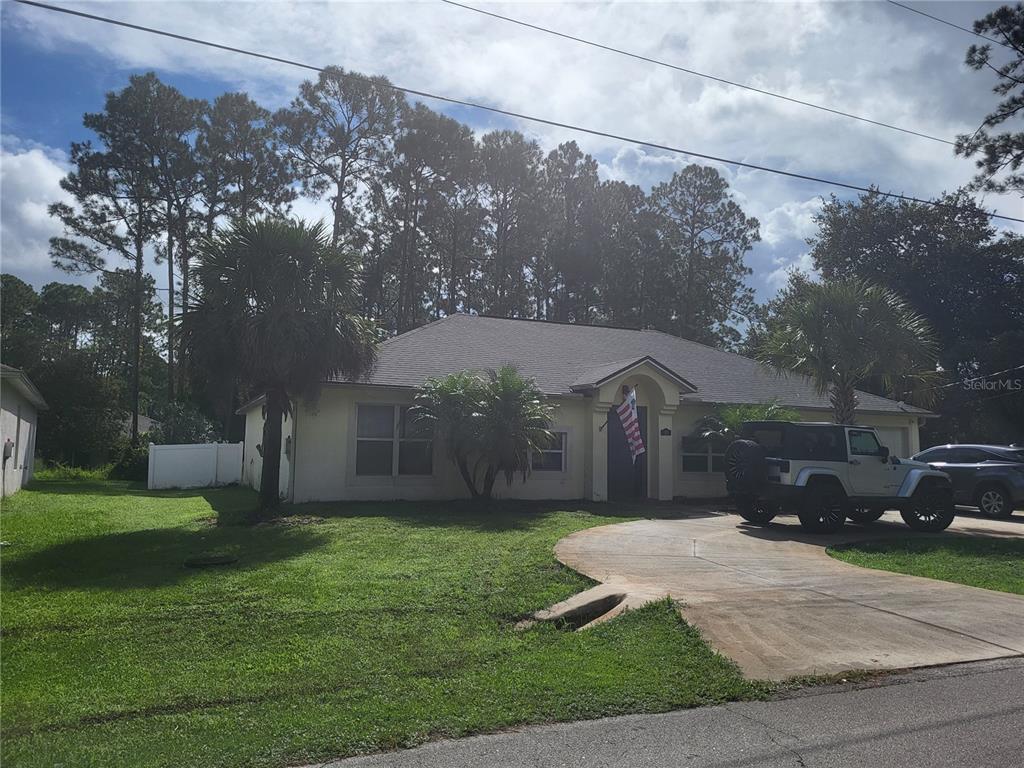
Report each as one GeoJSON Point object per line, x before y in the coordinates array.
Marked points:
{"type": "Point", "coordinates": [826, 473]}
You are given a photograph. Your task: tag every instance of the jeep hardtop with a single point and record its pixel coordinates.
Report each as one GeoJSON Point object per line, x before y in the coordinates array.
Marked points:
{"type": "Point", "coordinates": [828, 473]}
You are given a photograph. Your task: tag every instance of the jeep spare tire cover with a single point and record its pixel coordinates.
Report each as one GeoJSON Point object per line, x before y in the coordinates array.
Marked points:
{"type": "Point", "coordinates": [745, 467]}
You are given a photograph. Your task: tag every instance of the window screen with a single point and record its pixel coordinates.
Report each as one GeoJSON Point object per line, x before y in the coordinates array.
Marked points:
{"type": "Point", "coordinates": [390, 442]}
{"type": "Point", "coordinates": [551, 459]}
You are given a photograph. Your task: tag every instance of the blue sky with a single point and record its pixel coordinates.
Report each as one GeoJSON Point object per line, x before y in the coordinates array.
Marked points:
{"type": "Point", "coordinates": [868, 58]}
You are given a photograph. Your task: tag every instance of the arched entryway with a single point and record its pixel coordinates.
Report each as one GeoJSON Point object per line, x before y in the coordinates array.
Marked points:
{"type": "Point", "coordinates": [627, 478]}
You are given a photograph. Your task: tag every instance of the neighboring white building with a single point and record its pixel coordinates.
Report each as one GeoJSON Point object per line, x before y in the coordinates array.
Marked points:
{"type": "Point", "coordinates": [353, 442]}
{"type": "Point", "coordinates": [20, 403]}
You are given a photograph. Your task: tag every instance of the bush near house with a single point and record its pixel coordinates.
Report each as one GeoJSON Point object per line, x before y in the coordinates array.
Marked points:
{"type": "Point", "coordinates": [727, 420]}
{"type": "Point", "coordinates": [489, 424]}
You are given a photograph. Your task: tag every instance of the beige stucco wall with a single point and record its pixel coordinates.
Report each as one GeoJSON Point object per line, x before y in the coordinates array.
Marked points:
{"type": "Point", "coordinates": [324, 443]}
{"type": "Point", "coordinates": [18, 420]}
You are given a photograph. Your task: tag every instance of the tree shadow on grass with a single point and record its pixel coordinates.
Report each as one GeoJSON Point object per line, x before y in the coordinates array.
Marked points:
{"type": "Point", "coordinates": [133, 488]}
{"type": "Point", "coordinates": [156, 557]}
{"type": "Point", "coordinates": [492, 516]}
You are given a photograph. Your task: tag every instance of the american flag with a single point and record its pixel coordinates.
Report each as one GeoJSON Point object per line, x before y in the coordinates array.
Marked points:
{"type": "Point", "coordinates": [631, 422]}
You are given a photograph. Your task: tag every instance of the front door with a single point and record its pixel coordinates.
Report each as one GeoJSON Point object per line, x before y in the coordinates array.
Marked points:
{"type": "Point", "coordinates": [626, 479]}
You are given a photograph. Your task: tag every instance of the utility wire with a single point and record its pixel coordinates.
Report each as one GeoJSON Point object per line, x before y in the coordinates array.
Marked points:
{"type": "Point", "coordinates": [705, 75]}
{"type": "Point", "coordinates": [951, 24]}
{"type": "Point", "coordinates": [530, 118]}
{"type": "Point", "coordinates": [961, 382]}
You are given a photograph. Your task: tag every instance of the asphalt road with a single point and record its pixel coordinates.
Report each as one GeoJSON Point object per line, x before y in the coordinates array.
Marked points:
{"type": "Point", "coordinates": [961, 715]}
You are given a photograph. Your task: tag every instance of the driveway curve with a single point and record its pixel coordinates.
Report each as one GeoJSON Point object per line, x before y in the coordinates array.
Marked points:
{"type": "Point", "coordinates": [774, 601]}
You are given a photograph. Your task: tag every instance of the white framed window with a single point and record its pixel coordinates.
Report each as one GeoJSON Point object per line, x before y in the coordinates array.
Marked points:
{"type": "Point", "coordinates": [553, 458]}
{"type": "Point", "coordinates": [390, 444]}
{"type": "Point", "coordinates": [700, 455]}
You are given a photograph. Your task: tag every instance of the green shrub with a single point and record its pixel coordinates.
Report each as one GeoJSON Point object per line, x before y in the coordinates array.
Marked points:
{"type": "Point", "coordinates": [182, 423]}
{"type": "Point", "coordinates": [131, 463]}
{"type": "Point", "coordinates": [67, 472]}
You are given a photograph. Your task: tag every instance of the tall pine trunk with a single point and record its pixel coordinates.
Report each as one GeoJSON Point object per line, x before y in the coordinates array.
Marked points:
{"type": "Point", "coordinates": [183, 260]}
{"type": "Point", "coordinates": [136, 354]}
{"type": "Point", "coordinates": [170, 305]}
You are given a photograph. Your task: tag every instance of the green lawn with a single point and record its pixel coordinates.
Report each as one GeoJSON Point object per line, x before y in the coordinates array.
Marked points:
{"type": "Point", "coordinates": [346, 629]}
{"type": "Point", "coordinates": [990, 563]}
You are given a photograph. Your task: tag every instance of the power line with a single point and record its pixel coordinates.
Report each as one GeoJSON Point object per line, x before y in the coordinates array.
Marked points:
{"type": "Point", "coordinates": [951, 24]}
{"type": "Point", "coordinates": [520, 116]}
{"type": "Point", "coordinates": [961, 382]}
{"type": "Point", "coordinates": [705, 75]}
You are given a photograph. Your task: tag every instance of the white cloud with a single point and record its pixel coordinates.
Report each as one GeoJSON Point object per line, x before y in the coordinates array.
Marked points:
{"type": "Point", "coordinates": [793, 219]}
{"type": "Point", "coordinates": [30, 177]}
{"type": "Point", "coordinates": [778, 277]}
{"type": "Point", "coordinates": [867, 58]}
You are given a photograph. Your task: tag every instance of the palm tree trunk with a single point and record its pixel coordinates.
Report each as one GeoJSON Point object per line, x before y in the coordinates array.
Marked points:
{"type": "Point", "coordinates": [843, 399]}
{"type": "Point", "coordinates": [270, 480]}
{"type": "Point", "coordinates": [467, 477]}
{"type": "Point", "coordinates": [489, 477]}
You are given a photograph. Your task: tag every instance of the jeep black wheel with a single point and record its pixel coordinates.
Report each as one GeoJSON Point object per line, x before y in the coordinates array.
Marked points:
{"type": "Point", "coordinates": [994, 501]}
{"type": "Point", "coordinates": [756, 511]}
{"type": "Point", "coordinates": [823, 510]}
{"type": "Point", "coordinates": [930, 509]}
{"type": "Point", "coordinates": [745, 468]}
{"type": "Point", "coordinates": [865, 515]}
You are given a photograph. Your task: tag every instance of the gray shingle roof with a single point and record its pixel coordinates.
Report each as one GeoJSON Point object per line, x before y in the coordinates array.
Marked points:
{"type": "Point", "coordinates": [560, 355]}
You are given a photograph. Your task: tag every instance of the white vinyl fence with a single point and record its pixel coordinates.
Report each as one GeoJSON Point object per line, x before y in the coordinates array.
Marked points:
{"type": "Point", "coordinates": [194, 466]}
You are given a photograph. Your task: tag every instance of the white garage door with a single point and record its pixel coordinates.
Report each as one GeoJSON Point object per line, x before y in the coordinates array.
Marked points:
{"type": "Point", "coordinates": [896, 439]}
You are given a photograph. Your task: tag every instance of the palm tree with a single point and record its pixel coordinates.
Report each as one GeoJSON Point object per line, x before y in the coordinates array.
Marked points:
{"type": "Point", "coordinates": [451, 405]}
{"type": "Point", "coordinates": [489, 425]}
{"type": "Point", "coordinates": [280, 302]}
{"type": "Point", "coordinates": [725, 423]}
{"type": "Point", "coordinates": [514, 423]}
{"type": "Point", "coordinates": [843, 333]}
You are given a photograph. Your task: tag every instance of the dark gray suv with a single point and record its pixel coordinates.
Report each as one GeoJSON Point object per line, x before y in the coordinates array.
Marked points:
{"type": "Point", "coordinates": [989, 477]}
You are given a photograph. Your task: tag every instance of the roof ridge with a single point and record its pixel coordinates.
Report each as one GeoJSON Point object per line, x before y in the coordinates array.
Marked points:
{"type": "Point", "coordinates": [559, 322]}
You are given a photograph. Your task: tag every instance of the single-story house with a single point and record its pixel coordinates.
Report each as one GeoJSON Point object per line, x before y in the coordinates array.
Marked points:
{"type": "Point", "coordinates": [20, 403]}
{"type": "Point", "coordinates": [354, 442]}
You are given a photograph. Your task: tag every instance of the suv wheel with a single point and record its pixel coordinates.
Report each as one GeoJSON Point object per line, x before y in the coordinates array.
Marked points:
{"type": "Point", "coordinates": [865, 515]}
{"type": "Point", "coordinates": [930, 509]}
{"type": "Point", "coordinates": [745, 467]}
{"type": "Point", "coordinates": [994, 501]}
{"type": "Point", "coordinates": [823, 509]}
{"type": "Point", "coordinates": [756, 511]}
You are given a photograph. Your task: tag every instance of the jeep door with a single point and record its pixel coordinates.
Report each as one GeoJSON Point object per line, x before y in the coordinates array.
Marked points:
{"type": "Point", "coordinates": [871, 473]}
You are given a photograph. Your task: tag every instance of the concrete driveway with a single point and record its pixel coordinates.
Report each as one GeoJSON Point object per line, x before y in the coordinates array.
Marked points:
{"type": "Point", "coordinates": [775, 602]}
